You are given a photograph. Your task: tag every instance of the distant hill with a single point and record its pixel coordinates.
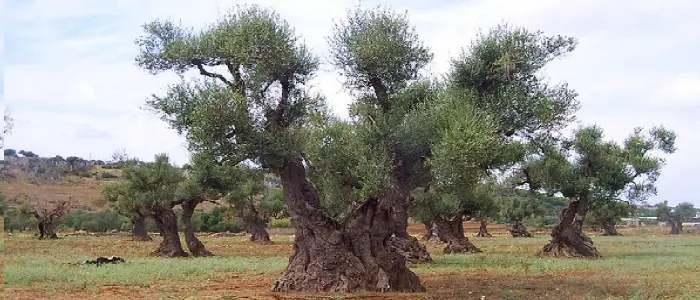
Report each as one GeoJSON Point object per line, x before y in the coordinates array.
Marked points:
{"type": "Point", "coordinates": [40, 180]}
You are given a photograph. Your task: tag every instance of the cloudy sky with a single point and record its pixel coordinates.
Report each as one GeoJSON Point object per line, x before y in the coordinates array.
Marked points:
{"type": "Point", "coordinates": [71, 83]}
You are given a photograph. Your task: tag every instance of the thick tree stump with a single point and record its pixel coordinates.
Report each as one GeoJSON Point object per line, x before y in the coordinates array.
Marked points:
{"type": "Point", "coordinates": [517, 229]}
{"type": "Point", "coordinates": [138, 229]}
{"type": "Point", "coordinates": [167, 224]}
{"type": "Point", "coordinates": [568, 239]}
{"type": "Point", "coordinates": [451, 232]}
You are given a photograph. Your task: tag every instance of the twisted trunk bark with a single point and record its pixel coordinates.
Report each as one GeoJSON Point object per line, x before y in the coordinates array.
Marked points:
{"type": "Point", "coordinates": [47, 230]}
{"type": "Point", "coordinates": [166, 220]}
{"type": "Point", "coordinates": [138, 228]}
{"type": "Point", "coordinates": [396, 200]}
{"type": "Point", "coordinates": [451, 232]}
{"type": "Point", "coordinates": [331, 257]}
{"type": "Point", "coordinates": [517, 229]}
{"type": "Point", "coordinates": [429, 232]}
{"type": "Point", "coordinates": [258, 232]}
{"type": "Point", "coordinates": [483, 232]}
{"type": "Point", "coordinates": [676, 226]}
{"type": "Point", "coordinates": [608, 227]}
{"type": "Point", "coordinates": [193, 243]}
{"type": "Point", "coordinates": [568, 239]}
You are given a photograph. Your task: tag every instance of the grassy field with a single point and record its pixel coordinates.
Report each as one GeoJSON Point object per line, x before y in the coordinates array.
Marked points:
{"type": "Point", "coordinates": [639, 265]}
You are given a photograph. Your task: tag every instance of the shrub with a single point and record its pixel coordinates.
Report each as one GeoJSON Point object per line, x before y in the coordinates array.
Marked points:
{"type": "Point", "coordinates": [16, 221]}
{"type": "Point", "coordinates": [102, 221]}
{"type": "Point", "coordinates": [280, 223]}
{"type": "Point", "coordinates": [107, 175]}
{"type": "Point", "coordinates": [217, 220]}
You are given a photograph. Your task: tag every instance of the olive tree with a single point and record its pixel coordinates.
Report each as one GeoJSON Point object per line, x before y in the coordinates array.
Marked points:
{"type": "Point", "coordinates": [607, 214]}
{"type": "Point", "coordinates": [515, 206]}
{"type": "Point", "coordinates": [675, 216]}
{"type": "Point", "coordinates": [125, 204]}
{"type": "Point", "coordinates": [151, 189]}
{"type": "Point", "coordinates": [251, 102]}
{"type": "Point", "coordinates": [507, 105]}
{"type": "Point", "coordinates": [591, 171]}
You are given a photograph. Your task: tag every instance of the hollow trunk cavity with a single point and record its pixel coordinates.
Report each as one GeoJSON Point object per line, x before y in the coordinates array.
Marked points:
{"type": "Point", "coordinates": [568, 239]}
{"type": "Point", "coordinates": [47, 230]}
{"type": "Point", "coordinates": [429, 232]}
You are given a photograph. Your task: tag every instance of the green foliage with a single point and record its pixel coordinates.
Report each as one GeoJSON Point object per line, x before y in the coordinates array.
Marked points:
{"type": "Point", "coordinates": [519, 204]}
{"type": "Point", "coordinates": [107, 175]}
{"type": "Point", "coordinates": [503, 67]}
{"type": "Point", "coordinates": [144, 186]}
{"type": "Point", "coordinates": [18, 219]}
{"type": "Point", "coordinates": [377, 46]}
{"type": "Point", "coordinates": [10, 152]}
{"type": "Point", "coordinates": [217, 220]}
{"type": "Point", "coordinates": [610, 211]}
{"type": "Point", "coordinates": [683, 212]}
{"type": "Point", "coordinates": [589, 168]}
{"type": "Point", "coordinates": [280, 223]}
{"type": "Point", "coordinates": [2, 203]}
{"type": "Point", "coordinates": [256, 113]}
{"type": "Point", "coordinates": [101, 221]}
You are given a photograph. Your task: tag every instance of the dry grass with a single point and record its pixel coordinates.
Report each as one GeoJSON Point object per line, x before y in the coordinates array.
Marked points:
{"type": "Point", "coordinates": [639, 265]}
{"type": "Point", "coordinates": [85, 193]}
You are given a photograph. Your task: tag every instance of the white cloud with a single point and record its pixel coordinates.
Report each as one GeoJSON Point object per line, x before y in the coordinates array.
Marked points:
{"type": "Point", "coordinates": [683, 91]}
{"type": "Point", "coordinates": [634, 66]}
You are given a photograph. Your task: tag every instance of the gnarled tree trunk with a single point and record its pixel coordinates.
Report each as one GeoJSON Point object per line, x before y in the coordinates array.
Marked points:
{"type": "Point", "coordinates": [193, 243]}
{"type": "Point", "coordinates": [483, 232]}
{"type": "Point", "coordinates": [47, 230]}
{"type": "Point", "coordinates": [676, 226]}
{"type": "Point", "coordinates": [166, 220]}
{"type": "Point", "coordinates": [517, 229]}
{"type": "Point", "coordinates": [138, 228]}
{"type": "Point", "coordinates": [396, 201]}
{"type": "Point", "coordinates": [608, 227]}
{"type": "Point", "coordinates": [258, 231]}
{"type": "Point", "coordinates": [331, 257]}
{"type": "Point", "coordinates": [451, 232]}
{"type": "Point", "coordinates": [568, 239]}
{"type": "Point", "coordinates": [430, 233]}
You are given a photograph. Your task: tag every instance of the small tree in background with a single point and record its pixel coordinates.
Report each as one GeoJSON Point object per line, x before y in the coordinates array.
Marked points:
{"type": "Point", "coordinates": [253, 202]}
{"type": "Point", "coordinates": [151, 189]}
{"type": "Point", "coordinates": [128, 205]}
{"type": "Point", "coordinates": [515, 206]}
{"type": "Point", "coordinates": [607, 214]}
{"type": "Point", "coordinates": [675, 216]}
{"type": "Point", "coordinates": [47, 215]}
{"type": "Point", "coordinates": [591, 171]}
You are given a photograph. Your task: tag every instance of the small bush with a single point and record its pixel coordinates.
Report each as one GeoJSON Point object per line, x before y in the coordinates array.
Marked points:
{"type": "Point", "coordinates": [280, 223]}
{"type": "Point", "coordinates": [217, 220]}
{"type": "Point", "coordinates": [107, 175]}
{"type": "Point", "coordinates": [16, 221]}
{"type": "Point", "coordinates": [84, 174]}
{"type": "Point", "coordinates": [102, 221]}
